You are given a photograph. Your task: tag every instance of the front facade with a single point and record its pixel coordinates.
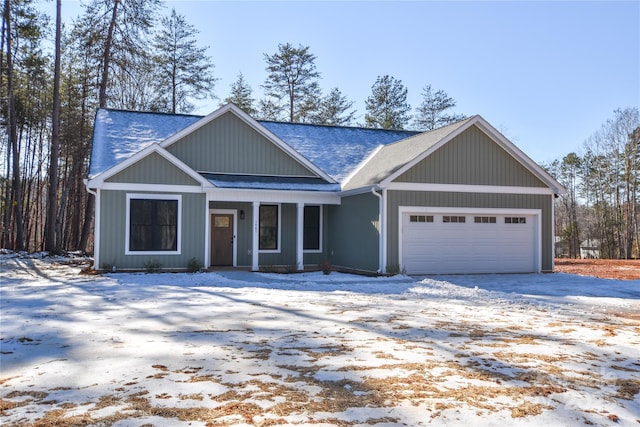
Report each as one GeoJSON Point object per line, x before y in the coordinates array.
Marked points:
{"type": "Point", "coordinates": [225, 190]}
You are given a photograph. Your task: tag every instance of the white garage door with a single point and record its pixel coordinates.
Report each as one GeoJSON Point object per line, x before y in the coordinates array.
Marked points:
{"type": "Point", "coordinates": [449, 243]}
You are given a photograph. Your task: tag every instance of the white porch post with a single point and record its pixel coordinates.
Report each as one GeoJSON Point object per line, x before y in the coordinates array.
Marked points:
{"type": "Point", "coordinates": [300, 237]}
{"type": "Point", "coordinates": [255, 239]}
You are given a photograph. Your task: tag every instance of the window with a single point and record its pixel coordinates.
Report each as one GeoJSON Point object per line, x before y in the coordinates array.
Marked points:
{"type": "Point", "coordinates": [515, 220]}
{"type": "Point", "coordinates": [153, 224]}
{"type": "Point", "coordinates": [312, 229]}
{"type": "Point", "coordinates": [484, 219]}
{"type": "Point", "coordinates": [421, 218]}
{"type": "Point", "coordinates": [269, 227]}
{"type": "Point", "coordinates": [448, 218]}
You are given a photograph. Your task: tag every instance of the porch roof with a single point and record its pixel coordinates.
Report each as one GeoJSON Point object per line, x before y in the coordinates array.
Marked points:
{"type": "Point", "coordinates": [259, 182]}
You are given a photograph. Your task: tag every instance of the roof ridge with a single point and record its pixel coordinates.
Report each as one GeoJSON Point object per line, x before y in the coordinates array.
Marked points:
{"type": "Point", "coordinates": [157, 113]}
{"type": "Point", "coordinates": [339, 126]}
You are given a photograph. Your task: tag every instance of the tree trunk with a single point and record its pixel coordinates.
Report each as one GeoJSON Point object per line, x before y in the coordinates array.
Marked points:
{"type": "Point", "coordinates": [53, 229]}
{"type": "Point", "coordinates": [13, 137]}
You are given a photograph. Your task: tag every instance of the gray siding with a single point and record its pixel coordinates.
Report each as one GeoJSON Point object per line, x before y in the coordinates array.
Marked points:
{"type": "Point", "coordinates": [472, 200]}
{"type": "Point", "coordinates": [355, 232]}
{"type": "Point", "coordinates": [471, 158]}
{"type": "Point", "coordinates": [287, 255]}
{"type": "Point", "coordinates": [112, 232]}
{"type": "Point", "coordinates": [229, 145]}
{"type": "Point", "coordinates": [153, 169]}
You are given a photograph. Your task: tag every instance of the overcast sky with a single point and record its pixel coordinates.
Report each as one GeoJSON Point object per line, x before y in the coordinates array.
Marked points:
{"type": "Point", "coordinates": [546, 74]}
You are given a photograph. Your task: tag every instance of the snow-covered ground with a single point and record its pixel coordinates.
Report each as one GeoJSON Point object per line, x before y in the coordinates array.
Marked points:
{"type": "Point", "coordinates": [238, 348]}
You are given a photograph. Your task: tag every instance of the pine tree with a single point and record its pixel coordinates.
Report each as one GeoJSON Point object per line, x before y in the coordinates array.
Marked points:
{"type": "Point", "coordinates": [183, 70]}
{"type": "Point", "coordinates": [240, 95]}
{"type": "Point", "coordinates": [333, 109]}
{"type": "Point", "coordinates": [432, 111]}
{"type": "Point", "coordinates": [387, 106]}
{"type": "Point", "coordinates": [292, 81]}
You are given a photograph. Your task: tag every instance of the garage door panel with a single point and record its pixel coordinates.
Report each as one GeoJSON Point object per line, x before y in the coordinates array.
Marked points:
{"type": "Point", "coordinates": [440, 247]}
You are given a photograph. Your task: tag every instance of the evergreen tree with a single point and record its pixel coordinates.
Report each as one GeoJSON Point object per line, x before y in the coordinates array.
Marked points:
{"type": "Point", "coordinates": [333, 109]}
{"type": "Point", "coordinates": [432, 111]}
{"type": "Point", "coordinates": [387, 106]}
{"type": "Point", "coordinates": [292, 81]}
{"type": "Point", "coordinates": [183, 70]}
{"type": "Point", "coordinates": [240, 95]}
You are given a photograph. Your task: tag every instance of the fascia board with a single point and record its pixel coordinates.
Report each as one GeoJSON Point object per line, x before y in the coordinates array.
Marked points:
{"type": "Point", "coordinates": [520, 156]}
{"type": "Point", "coordinates": [385, 182]}
{"type": "Point", "coordinates": [99, 181]}
{"type": "Point", "coordinates": [362, 164]}
{"type": "Point", "coordinates": [232, 108]}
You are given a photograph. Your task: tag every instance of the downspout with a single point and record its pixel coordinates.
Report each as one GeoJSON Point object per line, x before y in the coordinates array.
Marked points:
{"type": "Point", "coordinates": [96, 223]}
{"type": "Point", "coordinates": [382, 240]}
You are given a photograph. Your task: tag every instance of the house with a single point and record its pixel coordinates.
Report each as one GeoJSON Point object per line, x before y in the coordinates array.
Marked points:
{"type": "Point", "coordinates": [590, 249]}
{"type": "Point", "coordinates": [227, 190]}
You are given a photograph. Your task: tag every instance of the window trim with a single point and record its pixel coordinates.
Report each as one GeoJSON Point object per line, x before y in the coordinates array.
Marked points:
{"type": "Point", "coordinates": [127, 236]}
{"type": "Point", "coordinates": [278, 231]}
{"type": "Point", "coordinates": [320, 231]}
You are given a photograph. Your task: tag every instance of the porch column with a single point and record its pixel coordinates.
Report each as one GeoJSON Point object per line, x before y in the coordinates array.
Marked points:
{"type": "Point", "coordinates": [300, 237]}
{"type": "Point", "coordinates": [255, 239]}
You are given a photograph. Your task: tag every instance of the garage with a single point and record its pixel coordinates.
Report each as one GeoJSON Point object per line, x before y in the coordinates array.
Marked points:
{"type": "Point", "coordinates": [457, 241]}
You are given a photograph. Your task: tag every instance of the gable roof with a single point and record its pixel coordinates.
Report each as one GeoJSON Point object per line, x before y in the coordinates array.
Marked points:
{"type": "Point", "coordinates": [393, 156]}
{"type": "Point", "coordinates": [395, 159]}
{"type": "Point", "coordinates": [118, 135]}
{"type": "Point", "coordinates": [355, 157]}
{"type": "Point", "coordinates": [333, 152]}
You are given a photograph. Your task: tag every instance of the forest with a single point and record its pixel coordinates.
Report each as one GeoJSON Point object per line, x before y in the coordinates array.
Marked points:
{"type": "Point", "coordinates": [136, 55]}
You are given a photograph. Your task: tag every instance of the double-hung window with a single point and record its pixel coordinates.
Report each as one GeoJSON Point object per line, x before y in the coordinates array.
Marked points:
{"type": "Point", "coordinates": [312, 228]}
{"type": "Point", "coordinates": [269, 228]}
{"type": "Point", "coordinates": [153, 224]}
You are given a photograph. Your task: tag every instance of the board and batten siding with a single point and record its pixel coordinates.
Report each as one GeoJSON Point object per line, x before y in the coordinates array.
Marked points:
{"type": "Point", "coordinates": [355, 232]}
{"type": "Point", "coordinates": [471, 158]}
{"type": "Point", "coordinates": [395, 199]}
{"type": "Point", "coordinates": [153, 169]}
{"type": "Point", "coordinates": [113, 223]}
{"type": "Point", "coordinates": [229, 145]}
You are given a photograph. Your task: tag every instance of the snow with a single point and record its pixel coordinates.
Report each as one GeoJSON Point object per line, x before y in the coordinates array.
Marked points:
{"type": "Point", "coordinates": [241, 348]}
{"type": "Point", "coordinates": [336, 150]}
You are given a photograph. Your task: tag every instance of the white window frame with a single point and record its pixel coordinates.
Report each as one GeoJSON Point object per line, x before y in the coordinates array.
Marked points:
{"type": "Point", "coordinates": [175, 197]}
{"type": "Point", "coordinates": [320, 231]}
{"type": "Point", "coordinates": [279, 239]}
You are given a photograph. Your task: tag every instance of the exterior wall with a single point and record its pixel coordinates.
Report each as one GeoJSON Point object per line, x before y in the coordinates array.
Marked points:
{"type": "Point", "coordinates": [471, 158]}
{"type": "Point", "coordinates": [471, 200]}
{"type": "Point", "coordinates": [153, 169]}
{"type": "Point", "coordinates": [355, 232]}
{"type": "Point", "coordinates": [112, 231]}
{"type": "Point", "coordinates": [287, 254]}
{"type": "Point", "coordinates": [229, 145]}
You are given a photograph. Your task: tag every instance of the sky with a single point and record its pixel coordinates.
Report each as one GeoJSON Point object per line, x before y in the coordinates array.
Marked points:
{"type": "Point", "coordinates": [547, 74]}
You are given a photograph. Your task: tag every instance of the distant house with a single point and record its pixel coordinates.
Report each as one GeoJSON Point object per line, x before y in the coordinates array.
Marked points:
{"type": "Point", "coordinates": [226, 190]}
{"type": "Point", "coordinates": [590, 248]}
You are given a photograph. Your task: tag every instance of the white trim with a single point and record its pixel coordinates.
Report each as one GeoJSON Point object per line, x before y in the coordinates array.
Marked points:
{"type": "Point", "coordinates": [417, 159]}
{"type": "Point", "coordinates": [231, 108]}
{"type": "Point", "coordinates": [255, 236]}
{"type": "Point", "coordinates": [99, 180]}
{"type": "Point", "coordinates": [274, 196]}
{"type": "Point", "coordinates": [234, 214]}
{"type": "Point", "coordinates": [360, 165]}
{"type": "Point", "coordinates": [537, 213]}
{"type": "Point", "coordinates": [96, 231]}
{"type": "Point", "coordinates": [279, 237]}
{"type": "Point", "coordinates": [151, 187]}
{"type": "Point", "coordinates": [468, 188]}
{"type": "Point", "coordinates": [498, 138]}
{"type": "Point", "coordinates": [383, 233]}
{"type": "Point", "coordinates": [321, 219]}
{"type": "Point", "coordinates": [177, 197]}
{"type": "Point", "coordinates": [300, 236]}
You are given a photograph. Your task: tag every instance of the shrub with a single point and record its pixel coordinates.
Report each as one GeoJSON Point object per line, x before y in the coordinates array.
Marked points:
{"type": "Point", "coordinates": [152, 266]}
{"type": "Point", "coordinates": [194, 265]}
